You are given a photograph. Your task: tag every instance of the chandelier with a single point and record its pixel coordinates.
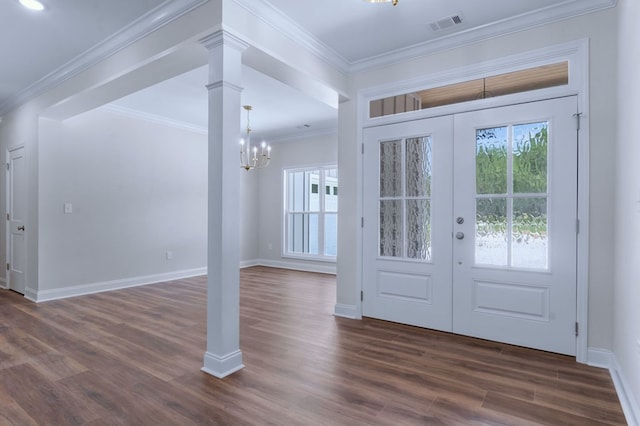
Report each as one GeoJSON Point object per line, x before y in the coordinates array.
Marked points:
{"type": "Point", "coordinates": [249, 157]}
{"type": "Point", "coordinates": [395, 2]}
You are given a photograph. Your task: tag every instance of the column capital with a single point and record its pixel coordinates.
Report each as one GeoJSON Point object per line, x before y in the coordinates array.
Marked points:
{"type": "Point", "coordinates": [224, 37]}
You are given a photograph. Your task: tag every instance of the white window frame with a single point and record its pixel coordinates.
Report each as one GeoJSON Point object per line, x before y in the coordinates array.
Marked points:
{"type": "Point", "coordinates": [321, 212]}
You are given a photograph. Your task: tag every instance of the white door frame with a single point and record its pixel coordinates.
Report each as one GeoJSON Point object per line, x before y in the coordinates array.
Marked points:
{"type": "Point", "coordinates": [576, 53]}
{"type": "Point", "coordinates": [8, 183]}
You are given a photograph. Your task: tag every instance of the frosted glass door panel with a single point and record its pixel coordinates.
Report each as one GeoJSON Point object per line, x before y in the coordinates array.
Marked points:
{"type": "Point", "coordinates": [391, 228]}
{"type": "Point", "coordinates": [391, 169]}
{"type": "Point", "coordinates": [511, 161]}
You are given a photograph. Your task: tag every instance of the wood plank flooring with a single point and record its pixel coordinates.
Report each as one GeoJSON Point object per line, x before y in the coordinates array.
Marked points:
{"type": "Point", "coordinates": [133, 357]}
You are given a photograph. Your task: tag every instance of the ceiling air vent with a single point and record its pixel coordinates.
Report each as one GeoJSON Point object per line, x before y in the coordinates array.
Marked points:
{"type": "Point", "coordinates": [445, 23]}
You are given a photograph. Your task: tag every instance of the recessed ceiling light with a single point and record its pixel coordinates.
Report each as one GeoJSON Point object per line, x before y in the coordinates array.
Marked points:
{"type": "Point", "coordinates": [32, 4]}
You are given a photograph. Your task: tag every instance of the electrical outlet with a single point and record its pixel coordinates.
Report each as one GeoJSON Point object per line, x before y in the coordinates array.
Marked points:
{"type": "Point", "coordinates": [169, 255]}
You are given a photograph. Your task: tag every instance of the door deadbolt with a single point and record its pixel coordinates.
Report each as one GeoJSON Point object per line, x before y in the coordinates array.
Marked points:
{"type": "Point", "coordinates": [459, 220]}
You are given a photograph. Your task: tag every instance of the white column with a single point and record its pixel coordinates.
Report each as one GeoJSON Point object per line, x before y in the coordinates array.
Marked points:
{"type": "Point", "coordinates": [223, 356]}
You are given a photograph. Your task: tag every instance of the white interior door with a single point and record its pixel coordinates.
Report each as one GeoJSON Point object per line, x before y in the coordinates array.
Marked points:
{"type": "Point", "coordinates": [470, 224]}
{"type": "Point", "coordinates": [16, 214]}
{"type": "Point", "coordinates": [515, 193]}
{"type": "Point", "coordinates": [407, 225]}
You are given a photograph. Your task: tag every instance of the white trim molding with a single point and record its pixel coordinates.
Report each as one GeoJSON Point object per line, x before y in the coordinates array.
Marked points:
{"type": "Point", "coordinates": [99, 287]}
{"type": "Point", "coordinates": [266, 12]}
{"type": "Point", "coordinates": [153, 118]}
{"type": "Point", "coordinates": [3, 283]}
{"type": "Point", "coordinates": [625, 395]}
{"type": "Point", "coordinates": [347, 311]}
{"type": "Point", "coordinates": [221, 367]}
{"type": "Point", "coordinates": [604, 358]}
{"type": "Point", "coordinates": [554, 13]}
{"type": "Point", "coordinates": [249, 263]}
{"type": "Point", "coordinates": [318, 267]}
{"type": "Point", "coordinates": [160, 16]}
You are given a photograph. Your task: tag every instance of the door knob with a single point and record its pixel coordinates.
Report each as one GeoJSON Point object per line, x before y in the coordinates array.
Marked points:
{"type": "Point", "coordinates": [459, 235]}
{"type": "Point", "coordinates": [20, 228]}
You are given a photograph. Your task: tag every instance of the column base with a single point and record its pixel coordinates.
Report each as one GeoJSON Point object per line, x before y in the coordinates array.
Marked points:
{"type": "Point", "coordinates": [221, 367]}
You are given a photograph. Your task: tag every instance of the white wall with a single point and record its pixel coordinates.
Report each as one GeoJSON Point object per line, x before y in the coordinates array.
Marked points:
{"type": "Point", "coordinates": [599, 28]}
{"type": "Point", "coordinates": [138, 189]}
{"type": "Point", "coordinates": [627, 206]}
{"type": "Point", "coordinates": [249, 217]}
{"type": "Point", "coordinates": [313, 151]}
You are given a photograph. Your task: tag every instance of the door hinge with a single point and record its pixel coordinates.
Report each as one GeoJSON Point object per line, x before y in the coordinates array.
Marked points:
{"type": "Point", "coordinates": [362, 149]}
{"type": "Point", "coordinates": [7, 266]}
{"type": "Point", "coordinates": [8, 166]}
{"type": "Point", "coordinates": [577, 226]}
{"type": "Point", "coordinates": [577, 116]}
{"type": "Point", "coordinates": [362, 222]}
{"type": "Point", "coordinates": [361, 295]}
{"type": "Point", "coordinates": [8, 216]}
{"type": "Point", "coordinates": [577, 329]}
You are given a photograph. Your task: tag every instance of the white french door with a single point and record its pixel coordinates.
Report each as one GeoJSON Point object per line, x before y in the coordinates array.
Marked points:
{"type": "Point", "coordinates": [407, 224]}
{"type": "Point", "coordinates": [470, 224]}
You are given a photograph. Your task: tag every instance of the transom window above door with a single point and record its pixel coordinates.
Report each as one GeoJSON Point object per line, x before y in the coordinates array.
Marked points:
{"type": "Point", "coordinates": [535, 78]}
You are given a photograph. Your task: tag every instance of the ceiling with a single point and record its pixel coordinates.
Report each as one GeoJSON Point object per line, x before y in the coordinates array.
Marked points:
{"type": "Point", "coordinates": [352, 32]}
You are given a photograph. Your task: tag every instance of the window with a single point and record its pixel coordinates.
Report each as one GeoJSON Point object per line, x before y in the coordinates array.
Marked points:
{"type": "Point", "coordinates": [496, 85]}
{"type": "Point", "coordinates": [311, 216]}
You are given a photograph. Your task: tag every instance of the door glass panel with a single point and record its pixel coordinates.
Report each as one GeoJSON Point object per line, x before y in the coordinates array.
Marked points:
{"type": "Point", "coordinates": [391, 169]}
{"type": "Point", "coordinates": [391, 228]}
{"type": "Point", "coordinates": [529, 239]}
{"type": "Point", "coordinates": [491, 160]}
{"type": "Point", "coordinates": [530, 158]}
{"type": "Point", "coordinates": [491, 232]}
{"type": "Point", "coordinates": [419, 229]}
{"type": "Point", "coordinates": [418, 167]}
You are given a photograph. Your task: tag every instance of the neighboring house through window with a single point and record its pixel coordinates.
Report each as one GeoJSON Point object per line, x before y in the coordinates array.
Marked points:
{"type": "Point", "coordinates": [311, 212]}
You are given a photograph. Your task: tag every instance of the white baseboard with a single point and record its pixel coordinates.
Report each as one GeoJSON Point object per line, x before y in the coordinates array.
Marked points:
{"type": "Point", "coordinates": [346, 311]}
{"type": "Point", "coordinates": [625, 394]}
{"type": "Point", "coordinates": [81, 290]}
{"type": "Point", "coordinates": [221, 367]}
{"type": "Point", "coordinates": [249, 263]}
{"type": "Point", "coordinates": [3, 283]}
{"type": "Point", "coordinates": [319, 267]}
{"type": "Point", "coordinates": [601, 358]}
{"type": "Point", "coordinates": [606, 359]}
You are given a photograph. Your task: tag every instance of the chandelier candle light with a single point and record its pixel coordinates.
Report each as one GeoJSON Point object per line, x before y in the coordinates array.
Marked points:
{"type": "Point", "coordinates": [249, 157]}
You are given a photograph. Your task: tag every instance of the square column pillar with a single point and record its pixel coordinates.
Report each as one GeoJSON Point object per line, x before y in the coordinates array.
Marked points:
{"type": "Point", "coordinates": [223, 356]}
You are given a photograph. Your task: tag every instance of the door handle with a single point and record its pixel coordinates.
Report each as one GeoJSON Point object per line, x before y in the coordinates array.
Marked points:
{"type": "Point", "coordinates": [21, 228]}
{"type": "Point", "coordinates": [459, 235]}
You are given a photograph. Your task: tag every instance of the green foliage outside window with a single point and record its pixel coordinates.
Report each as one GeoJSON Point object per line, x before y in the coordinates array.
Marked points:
{"type": "Point", "coordinates": [529, 176]}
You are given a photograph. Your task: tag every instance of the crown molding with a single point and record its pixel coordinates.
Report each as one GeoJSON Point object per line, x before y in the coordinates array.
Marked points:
{"type": "Point", "coordinates": [565, 10]}
{"type": "Point", "coordinates": [274, 17]}
{"type": "Point", "coordinates": [153, 118]}
{"type": "Point", "coordinates": [158, 17]}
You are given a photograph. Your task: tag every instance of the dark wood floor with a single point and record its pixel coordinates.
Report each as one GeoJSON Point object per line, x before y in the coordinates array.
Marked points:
{"type": "Point", "coordinates": [134, 357]}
